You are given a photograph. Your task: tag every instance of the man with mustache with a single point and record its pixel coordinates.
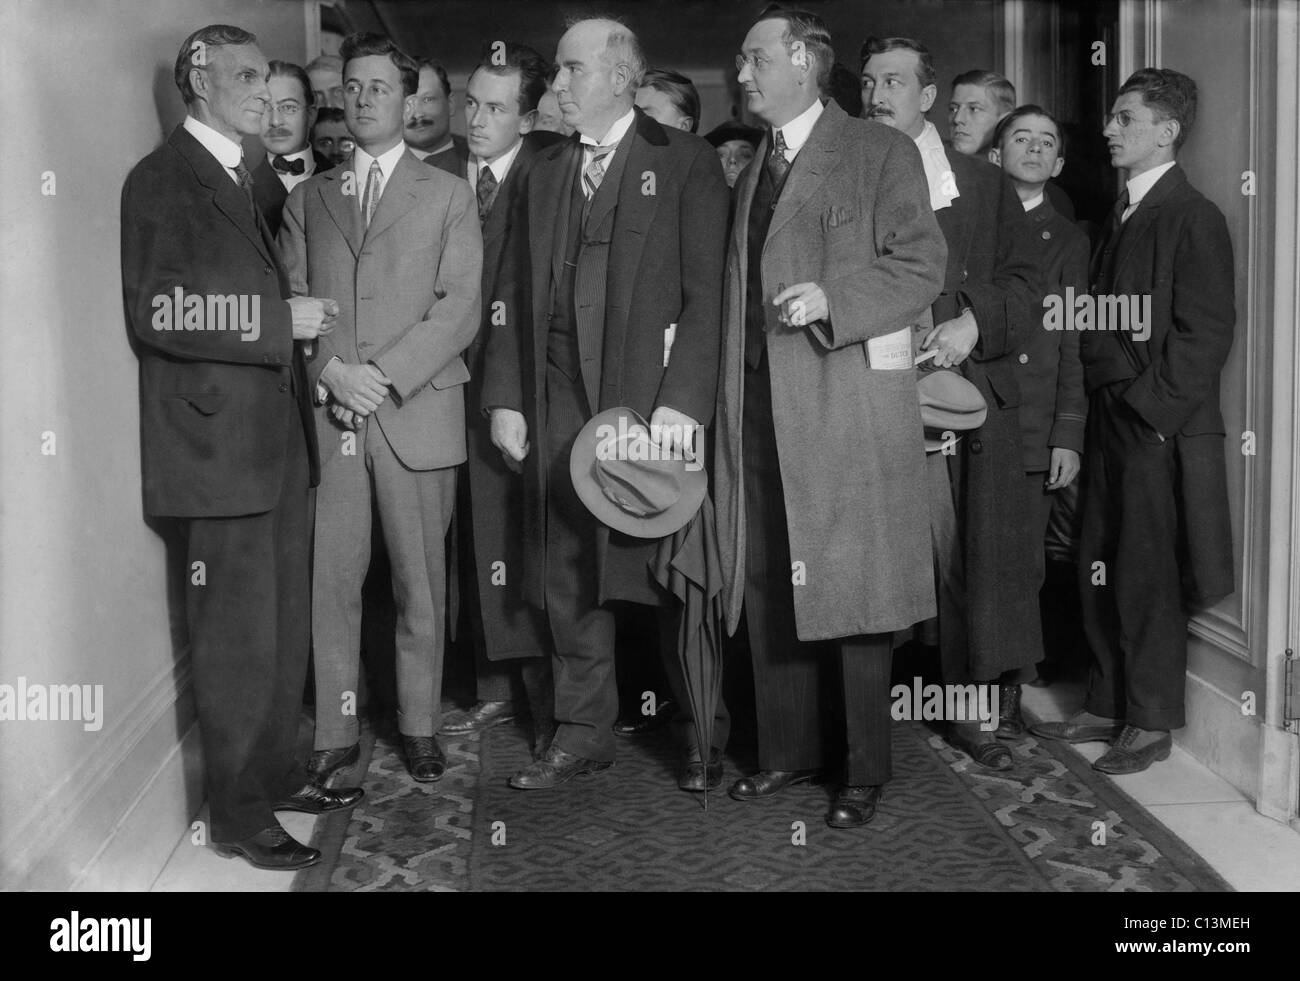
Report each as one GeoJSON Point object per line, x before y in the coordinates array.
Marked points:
{"type": "Point", "coordinates": [819, 459]}
{"type": "Point", "coordinates": [618, 257]}
{"type": "Point", "coordinates": [1155, 501]}
{"type": "Point", "coordinates": [289, 159]}
{"type": "Point", "coordinates": [428, 133]}
{"type": "Point", "coordinates": [988, 599]}
{"type": "Point", "coordinates": [228, 448]}
{"type": "Point", "coordinates": [330, 138]}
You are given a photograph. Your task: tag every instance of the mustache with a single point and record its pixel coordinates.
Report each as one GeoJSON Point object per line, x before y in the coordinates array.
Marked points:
{"type": "Point", "coordinates": [420, 121]}
{"type": "Point", "coordinates": [880, 111]}
{"type": "Point", "coordinates": [276, 132]}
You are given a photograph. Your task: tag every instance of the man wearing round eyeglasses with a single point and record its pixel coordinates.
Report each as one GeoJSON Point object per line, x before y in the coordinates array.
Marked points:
{"type": "Point", "coordinates": [289, 158]}
{"type": "Point", "coordinates": [834, 255]}
{"type": "Point", "coordinates": [1155, 508]}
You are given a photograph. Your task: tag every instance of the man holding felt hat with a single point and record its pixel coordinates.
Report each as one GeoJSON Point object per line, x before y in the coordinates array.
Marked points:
{"type": "Point", "coordinates": [819, 468]}
{"type": "Point", "coordinates": [613, 298]}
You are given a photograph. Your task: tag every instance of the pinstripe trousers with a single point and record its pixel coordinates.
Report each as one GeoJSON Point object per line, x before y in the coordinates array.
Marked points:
{"type": "Point", "coordinates": [804, 691]}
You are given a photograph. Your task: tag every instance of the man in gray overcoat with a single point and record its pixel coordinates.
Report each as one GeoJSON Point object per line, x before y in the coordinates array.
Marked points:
{"type": "Point", "coordinates": [819, 466]}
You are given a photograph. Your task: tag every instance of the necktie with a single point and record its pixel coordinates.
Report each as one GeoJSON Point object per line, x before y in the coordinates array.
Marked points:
{"type": "Point", "coordinates": [777, 165]}
{"type": "Point", "coordinates": [1121, 206]}
{"type": "Point", "coordinates": [246, 185]}
{"type": "Point", "coordinates": [1116, 229]}
{"type": "Point", "coordinates": [486, 192]}
{"type": "Point", "coordinates": [370, 200]}
{"type": "Point", "coordinates": [595, 171]}
{"type": "Point", "coordinates": [284, 166]}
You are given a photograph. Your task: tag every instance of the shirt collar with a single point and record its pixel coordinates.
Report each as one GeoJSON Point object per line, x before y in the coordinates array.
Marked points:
{"type": "Point", "coordinates": [797, 130]}
{"type": "Point", "coordinates": [938, 175]}
{"type": "Point", "coordinates": [226, 150]}
{"type": "Point", "coordinates": [387, 161]}
{"type": "Point", "coordinates": [1033, 202]}
{"type": "Point", "coordinates": [499, 167]}
{"type": "Point", "coordinates": [1143, 182]}
{"type": "Point", "coordinates": [615, 133]}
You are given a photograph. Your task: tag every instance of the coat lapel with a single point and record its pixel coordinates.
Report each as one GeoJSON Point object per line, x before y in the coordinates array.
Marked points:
{"type": "Point", "coordinates": [814, 161]}
{"type": "Point", "coordinates": [229, 199]}
{"type": "Point", "coordinates": [343, 208]}
{"type": "Point", "coordinates": [1140, 222]}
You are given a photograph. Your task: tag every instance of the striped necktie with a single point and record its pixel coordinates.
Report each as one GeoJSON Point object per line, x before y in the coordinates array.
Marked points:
{"type": "Point", "coordinates": [594, 172]}
{"type": "Point", "coordinates": [374, 189]}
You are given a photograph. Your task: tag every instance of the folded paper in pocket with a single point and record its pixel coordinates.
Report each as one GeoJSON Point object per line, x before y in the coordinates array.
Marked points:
{"type": "Point", "coordinates": [891, 352]}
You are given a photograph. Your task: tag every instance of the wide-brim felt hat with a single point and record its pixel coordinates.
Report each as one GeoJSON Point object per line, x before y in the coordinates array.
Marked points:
{"type": "Point", "coordinates": [732, 130]}
{"type": "Point", "coordinates": [631, 484]}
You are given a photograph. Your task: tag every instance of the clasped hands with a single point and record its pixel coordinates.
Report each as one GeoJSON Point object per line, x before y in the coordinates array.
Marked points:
{"type": "Point", "coordinates": [675, 430]}
{"type": "Point", "coordinates": [356, 390]}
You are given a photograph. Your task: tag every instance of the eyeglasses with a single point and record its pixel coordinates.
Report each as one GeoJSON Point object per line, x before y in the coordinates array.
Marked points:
{"type": "Point", "coordinates": [757, 62]}
{"type": "Point", "coordinates": [1124, 117]}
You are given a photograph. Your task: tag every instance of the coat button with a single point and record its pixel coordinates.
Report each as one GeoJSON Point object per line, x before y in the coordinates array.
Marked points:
{"type": "Point", "coordinates": [1046, 234]}
{"type": "Point", "coordinates": [976, 446]}
{"type": "Point", "coordinates": [267, 270]}
{"type": "Point", "coordinates": [284, 386]}
{"type": "Point", "coordinates": [963, 275]}
{"type": "Point", "coordinates": [1024, 359]}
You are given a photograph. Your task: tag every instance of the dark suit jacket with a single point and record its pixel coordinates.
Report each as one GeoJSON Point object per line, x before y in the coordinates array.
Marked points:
{"type": "Point", "coordinates": [991, 269]}
{"type": "Point", "coordinates": [1053, 406]}
{"type": "Point", "coordinates": [454, 160]}
{"type": "Point", "coordinates": [213, 426]}
{"type": "Point", "coordinates": [1175, 248]}
{"type": "Point", "coordinates": [664, 223]}
{"type": "Point", "coordinates": [269, 192]}
{"type": "Point", "coordinates": [495, 522]}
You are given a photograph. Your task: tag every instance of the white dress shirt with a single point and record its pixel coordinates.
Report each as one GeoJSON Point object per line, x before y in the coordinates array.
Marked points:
{"type": "Point", "coordinates": [612, 137]}
{"type": "Point", "coordinates": [499, 167]}
{"type": "Point", "coordinates": [1139, 185]}
{"type": "Point", "coordinates": [1033, 202]}
{"type": "Point", "coordinates": [361, 168]}
{"type": "Point", "coordinates": [797, 130]}
{"type": "Point", "coordinates": [426, 154]}
{"type": "Point", "coordinates": [226, 150]}
{"type": "Point", "coordinates": [943, 186]}
{"type": "Point", "coordinates": [290, 181]}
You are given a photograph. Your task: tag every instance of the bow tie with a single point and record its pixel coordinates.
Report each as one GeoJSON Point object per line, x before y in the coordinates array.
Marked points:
{"type": "Point", "coordinates": [284, 166]}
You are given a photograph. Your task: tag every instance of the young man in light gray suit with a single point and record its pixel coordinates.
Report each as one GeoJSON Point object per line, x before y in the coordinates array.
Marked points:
{"type": "Point", "coordinates": [819, 464]}
{"type": "Point", "coordinates": [398, 244]}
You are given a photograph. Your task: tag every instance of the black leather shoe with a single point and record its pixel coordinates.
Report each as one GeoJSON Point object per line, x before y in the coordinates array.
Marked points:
{"type": "Point", "coordinates": [324, 762]}
{"type": "Point", "coordinates": [424, 758]}
{"type": "Point", "coordinates": [692, 776]}
{"type": "Point", "coordinates": [768, 783]}
{"type": "Point", "coordinates": [554, 768]}
{"type": "Point", "coordinates": [271, 848]}
{"type": "Point", "coordinates": [1011, 724]}
{"type": "Point", "coordinates": [990, 754]}
{"type": "Point", "coordinates": [311, 799]}
{"type": "Point", "coordinates": [1078, 732]}
{"type": "Point", "coordinates": [640, 725]}
{"type": "Point", "coordinates": [854, 806]}
{"type": "Point", "coordinates": [482, 716]}
{"type": "Point", "coordinates": [1122, 758]}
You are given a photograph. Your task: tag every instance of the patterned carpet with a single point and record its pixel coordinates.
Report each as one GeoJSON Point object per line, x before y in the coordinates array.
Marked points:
{"type": "Point", "coordinates": [944, 825]}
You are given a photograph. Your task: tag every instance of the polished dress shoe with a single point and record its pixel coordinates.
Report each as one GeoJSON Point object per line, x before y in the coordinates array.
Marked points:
{"type": "Point", "coordinates": [1078, 732]}
{"type": "Point", "coordinates": [313, 799]}
{"type": "Point", "coordinates": [768, 783]}
{"type": "Point", "coordinates": [424, 758]}
{"type": "Point", "coordinates": [640, 725]}
{"type": "Point", "coordinates": [854, 806]}
{"type": "Point", "coordinates": [1125, 757]}
{"type": "Point", "coordinates": [987, 753]}
{"type": "Point", "coordinates": [324, 762]}
{"type": "Point", "coordinates": [554, 768]}
{"type": "Point", "coordinates": [1011, 724]}
{"type": "Point", "coordinates": [693, 778]}
{"type": "Point", "coordinates": [271, 848]}
{"type": "Point", "coordinates": [482, 716]}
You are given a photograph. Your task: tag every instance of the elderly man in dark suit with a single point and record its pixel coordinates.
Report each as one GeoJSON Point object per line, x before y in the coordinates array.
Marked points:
{"type": "Point", "coordinates": [228, 445]}
{"type": "Point", "coordinates": [398, 245]}
{"type": "Point", "coordinates": [1029, 145]}
{"type": "Point", "coordinates": [819, 466]}
{"type": "Point", "coordinates": [619, 256]}
{"type": "Point", "coordinates": [988, 600]}
{"type": "Point", "coordinates": [286, 135]}
{"type": "Point", "coordinates": [1156, 541]}
{"type": "Point", "coordinates": [507, 633]}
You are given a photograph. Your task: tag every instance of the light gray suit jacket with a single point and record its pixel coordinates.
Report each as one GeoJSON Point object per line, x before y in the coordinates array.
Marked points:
{"type": "Point", "coordinates": [409, 292]}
